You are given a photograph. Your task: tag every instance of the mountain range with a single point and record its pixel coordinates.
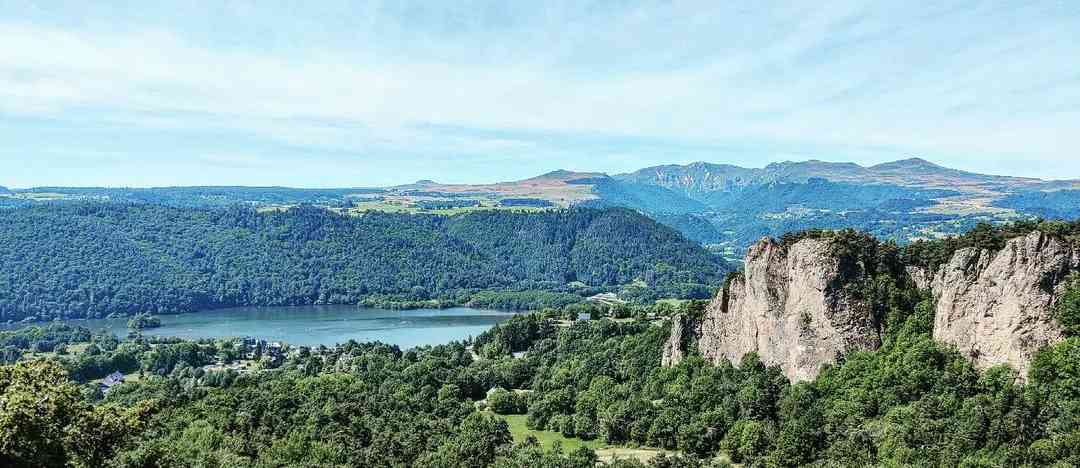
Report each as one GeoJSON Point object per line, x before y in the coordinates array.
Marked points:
{"type": "Point", "coordinates": [730, 207]}
{"type": "Point", "coordinates": [724, 206]}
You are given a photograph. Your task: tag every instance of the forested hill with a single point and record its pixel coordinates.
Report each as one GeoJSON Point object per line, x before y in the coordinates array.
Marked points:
{"type": "Point", "coordinates": [92, 260]}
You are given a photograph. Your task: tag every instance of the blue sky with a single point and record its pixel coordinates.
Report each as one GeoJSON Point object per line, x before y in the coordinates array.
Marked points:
{"type": "Point", "coordinates": [343, 93]}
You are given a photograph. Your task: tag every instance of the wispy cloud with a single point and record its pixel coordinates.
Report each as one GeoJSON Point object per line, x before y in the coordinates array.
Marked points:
{"type": "Point", "coordinates": [965, 83]}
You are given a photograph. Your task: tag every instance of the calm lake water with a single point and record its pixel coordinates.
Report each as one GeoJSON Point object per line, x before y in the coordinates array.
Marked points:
{"type": "Point", "coordinates": [327, 325]}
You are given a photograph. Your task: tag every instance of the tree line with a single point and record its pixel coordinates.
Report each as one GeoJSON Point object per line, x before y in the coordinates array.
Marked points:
{"type": "Point", "coordinates": [913, 402]}
{"type": "Point", "coordinates": [92, 260]}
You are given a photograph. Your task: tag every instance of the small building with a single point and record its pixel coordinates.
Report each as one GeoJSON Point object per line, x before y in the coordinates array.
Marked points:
{"type": "Point", "coordinates": [607, 298]}
{"type": "Point", "coordinates": [110, 381]}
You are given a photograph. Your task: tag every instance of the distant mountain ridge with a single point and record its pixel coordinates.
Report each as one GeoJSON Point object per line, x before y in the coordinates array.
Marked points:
{"type": "Point", "coordinates": [900, 200]}
{"type": "Point", "coordinates": [723, 205]}
{"type": "Point", "coordinates": [914, 172]}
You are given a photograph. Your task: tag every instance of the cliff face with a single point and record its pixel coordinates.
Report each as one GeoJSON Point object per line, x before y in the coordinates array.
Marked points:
{"type": "Point", "coordinates": [794, 306]}
{"type": "Point", "coordinates": [675, 348]}
{"type": "Point", "coordinates": [790, 306]}
{"type": "Point", "coordinates": [996, 306]}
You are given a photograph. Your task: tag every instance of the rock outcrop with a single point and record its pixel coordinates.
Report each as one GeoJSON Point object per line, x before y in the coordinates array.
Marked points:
{"type": "Point", "coordinates": [996, 306]}
{"type": "Point", "coordinates": [791, 307]}
{"type": "Point", "coordinates": [796, 305]}
{"type": "Point", "coordinates": [920, 277]}
{"type": "Point", "coordinates": [675, 348]}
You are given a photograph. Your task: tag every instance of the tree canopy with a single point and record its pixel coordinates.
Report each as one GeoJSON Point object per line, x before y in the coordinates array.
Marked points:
{"type": "Point", "coordinates": [92, 260]}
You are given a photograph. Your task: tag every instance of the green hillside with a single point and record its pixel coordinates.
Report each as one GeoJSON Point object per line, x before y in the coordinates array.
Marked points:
{"type": "Point", "coordinates": [92, 260]}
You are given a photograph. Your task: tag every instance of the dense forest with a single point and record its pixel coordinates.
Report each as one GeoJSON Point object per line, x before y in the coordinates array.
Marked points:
{"type": "Point", "coordinates": [914, 402]}
{"type": "Point", "coordinates": [1061, 204]}
{"type": "Point", "coordinates": [96, 259]}
{"type": "Point", "coordinates": [933, 253]}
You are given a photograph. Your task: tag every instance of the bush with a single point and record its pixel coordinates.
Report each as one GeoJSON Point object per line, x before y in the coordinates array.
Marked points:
{"type": "Point", "coordinates": [1067, 311]}
{"type": "Point", "coordinates": [502, 401]}
{"type": "Point", "coordinates": [143, 321]}
{"type": "Point", "coordinates": [746, 441]}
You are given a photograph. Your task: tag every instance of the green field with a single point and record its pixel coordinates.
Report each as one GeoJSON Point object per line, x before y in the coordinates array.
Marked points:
{"type": "Point", "coordinates": [73, 349]}
{"type": "Point", "coordinates": [404, 206]}
{"type": "Point", "coordinates": [673, 303]}
{"type": "Point", "coordinates": [548, 439]}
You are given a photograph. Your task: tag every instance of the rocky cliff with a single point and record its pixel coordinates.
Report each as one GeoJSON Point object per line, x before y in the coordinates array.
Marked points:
{"type": "Point", "coordinates": [798, 306]}
{"type": "Point", "coordinates": [995, 305]}
{"type": "Point", "coordinates": [682, 329]}
{"type": "Point", "coordinates": [791, 306]}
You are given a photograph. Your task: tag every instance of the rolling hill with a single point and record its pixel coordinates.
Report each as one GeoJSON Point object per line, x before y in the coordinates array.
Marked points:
{"type": "Point", "coordinates": [725, 206]}
{"type": "Point", "coordinates": [88, 259]}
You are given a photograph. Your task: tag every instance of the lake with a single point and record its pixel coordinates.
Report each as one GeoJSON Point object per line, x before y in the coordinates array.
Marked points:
{"type": "Point", "coordinates": [326, 325]}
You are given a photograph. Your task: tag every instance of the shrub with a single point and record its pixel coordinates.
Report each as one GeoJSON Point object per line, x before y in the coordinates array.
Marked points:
{"type": "Point", "coordinates": [502, 401]}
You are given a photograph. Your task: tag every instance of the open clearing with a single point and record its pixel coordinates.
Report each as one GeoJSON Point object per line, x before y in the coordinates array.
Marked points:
{"type": "Point", "coordinates": [547, 440]}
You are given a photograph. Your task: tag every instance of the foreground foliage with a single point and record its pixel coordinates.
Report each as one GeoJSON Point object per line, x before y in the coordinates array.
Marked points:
{"type": "Point", "coordinates": [914, 402]}
{"type": "Point", "coordinates": [45, 421]}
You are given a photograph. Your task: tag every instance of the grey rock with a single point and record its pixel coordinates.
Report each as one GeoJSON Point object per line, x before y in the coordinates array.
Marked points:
{"type": "Point", "coordinates": [793, 308]}
{"type": "Point", "coordinates": [996, 307]}
{"type": "Point", "coordinates": [675, 347]}
{"type": "Point", "coordinates": [921, 277]}
{"type": "Point", "coordinates": [789, 307]}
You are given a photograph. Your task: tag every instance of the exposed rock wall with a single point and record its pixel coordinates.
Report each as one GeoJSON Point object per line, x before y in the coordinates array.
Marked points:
{"type": "Point", "coordinates": [794, 307]}
{"type": "Point", "coordinates": [996, 306]}
{"type": "Point", "coordinates": [921, 277]}
{"type": "Point", "coordinates": [675, 348]}
{"type": "Point", "coordinates": [789, 306]}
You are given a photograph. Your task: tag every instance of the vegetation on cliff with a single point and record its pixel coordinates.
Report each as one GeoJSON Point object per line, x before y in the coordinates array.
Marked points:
{"type": "Point", "coordinates": [914, 402]}
{"type": "Point", "coordinates": [1067, 310]}
{"type": "Point", "coordinates": [931, 254]}
{"type": "Point", "coordinates": [876, 270]}
{"type": "Point", "coordinates": [870, 270]}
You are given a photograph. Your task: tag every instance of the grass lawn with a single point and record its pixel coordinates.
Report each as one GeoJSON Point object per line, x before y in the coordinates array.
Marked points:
{"type": "Point", "coordinates": [675, 303]}
{"type": "Point", "coordinates": [547, 440]}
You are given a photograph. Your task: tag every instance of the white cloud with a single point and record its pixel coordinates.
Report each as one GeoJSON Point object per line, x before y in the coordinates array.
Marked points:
{"type": "Point", "coordinates": [993, 79]}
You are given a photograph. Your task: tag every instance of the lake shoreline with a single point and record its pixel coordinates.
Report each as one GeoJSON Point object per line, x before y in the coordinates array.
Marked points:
{"type": "Point", "coordinates": [313, 325]}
